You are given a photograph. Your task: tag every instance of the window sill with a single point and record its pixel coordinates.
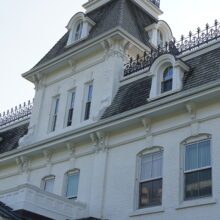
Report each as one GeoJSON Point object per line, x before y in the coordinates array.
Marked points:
{"type": "Point", "coordinates": [163, 95]}
{"type": "Point", "coordinates": [197, 202]}
{"type": "Point", "coordinates": [147, 211]}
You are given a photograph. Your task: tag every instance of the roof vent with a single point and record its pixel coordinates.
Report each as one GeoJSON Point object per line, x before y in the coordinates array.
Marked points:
{"type": "Point", "coordinates": [1, 139]}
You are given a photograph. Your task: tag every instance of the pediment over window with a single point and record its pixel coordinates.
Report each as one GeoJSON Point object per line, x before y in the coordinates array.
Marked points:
{"type": "Point", "coordinates": [167, 75]}
{"type": "Point", "coordinates": [79, 27]}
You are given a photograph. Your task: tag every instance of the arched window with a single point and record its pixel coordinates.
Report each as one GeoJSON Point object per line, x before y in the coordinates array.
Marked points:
{"type": "Point", "coordinates": [167, 82]}
{"type": "Point", "coordinates": [72, 182]}
{"type": "Point", "coordinates": [48, 183]}
{"type": "Point", "coordinates": [197, 168]}
{"type": "Point", "coordinates": [150, 179]}
{"type": "Point", "coordinates": [159, 38]}
{"type": "Point", "coordinates": [78, 33]}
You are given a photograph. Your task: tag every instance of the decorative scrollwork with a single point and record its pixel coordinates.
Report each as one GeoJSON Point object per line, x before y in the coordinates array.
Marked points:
{"type": "Point", "coordinates": [189, 43]}
{"type": "Point", "coordinates": [15, 114]}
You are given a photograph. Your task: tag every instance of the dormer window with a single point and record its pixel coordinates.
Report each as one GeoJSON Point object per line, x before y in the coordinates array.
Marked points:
{"type": "Point", "coordinates": [79, 27]}
{"type": "Point", "coordinates": [167, 75]}
{"type": "Point", "coordinates": [78, 33]}
{"type": "Point", "coordinates": [167, 82]}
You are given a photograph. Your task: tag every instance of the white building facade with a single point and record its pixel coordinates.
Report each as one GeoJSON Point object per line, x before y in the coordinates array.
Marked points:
{"type": "Point", "coordinates": [112, 135]}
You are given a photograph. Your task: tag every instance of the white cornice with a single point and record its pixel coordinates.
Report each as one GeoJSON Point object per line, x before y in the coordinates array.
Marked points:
{"type": "Point", "coordinates": [84, 47]}
{"type": "Point", "coordinates": [168, 103]}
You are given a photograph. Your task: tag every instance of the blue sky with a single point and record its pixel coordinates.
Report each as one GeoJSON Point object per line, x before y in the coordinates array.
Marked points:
{"type": "Point", "coordinates": [29, 28]}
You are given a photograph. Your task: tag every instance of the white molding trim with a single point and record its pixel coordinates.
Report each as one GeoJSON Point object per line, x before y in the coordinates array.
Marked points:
{"type": "Point", "coordinates": [143, 111]}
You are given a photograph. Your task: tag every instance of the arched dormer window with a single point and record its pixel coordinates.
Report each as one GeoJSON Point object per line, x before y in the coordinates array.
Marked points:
{"type": "Point", "coordinates": [167, 82]}
{"type": "Point", "coordinates": [79, 27]}
{"type": "Point", "coordinates": [78, 33]}
{"type": "Point", "coordinates": [167, 75]}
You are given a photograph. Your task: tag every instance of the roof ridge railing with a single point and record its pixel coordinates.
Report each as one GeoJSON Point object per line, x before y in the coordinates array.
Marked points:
{"type": "Point", "coordinates": [189, 43]}
{"type": "Point", "coordinates": [16, 113]}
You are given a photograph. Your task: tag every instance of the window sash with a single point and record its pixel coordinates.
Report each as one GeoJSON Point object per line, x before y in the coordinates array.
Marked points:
{"type": "Point", "coordinates": [88, 102]}
{"type": "Point", "coordinates": [78, 33]}
{"type": "Point", "coordinates": [71, 109]}
{"type": "Point", "coordinates": [150, 193]}
{"type": "Point", "coordinates": [54, 122]}
{"type": "Point", "coordinates": [49, 184]}
{"type": "Point", "coordinates": [151, 166]}
{"type": "Point", "coordinates": [198, 185]}
{"type": "Point", "coordinates": [199, 160]}
{"type": "Point", "coordinates": [55, 113]}
{"type": "Point", "coordinates": [72, 185]}
{"type": "Point", "coordinates": [166, 85]}
{"type": "Point", "coordinates": [70, 117]}
{"type": "Point", "coordinates": [90, 90]}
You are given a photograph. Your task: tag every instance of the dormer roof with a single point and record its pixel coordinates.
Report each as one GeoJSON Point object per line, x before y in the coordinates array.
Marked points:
{"type": "Point", "coordinates": [123, 14]}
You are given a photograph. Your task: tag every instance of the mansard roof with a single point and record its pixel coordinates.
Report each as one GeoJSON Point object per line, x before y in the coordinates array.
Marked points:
{"type": "Point", "coordinates": [10, 137]}
{"type": "Point", "coordinates": [204, 68]}
{"type": "Point", "coordinates": [8, 213]}
{"type": "Point", "coordinates": [116, 13]}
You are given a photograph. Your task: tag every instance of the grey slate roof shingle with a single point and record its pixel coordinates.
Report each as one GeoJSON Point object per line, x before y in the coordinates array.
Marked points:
{"type": "Point", "coordinates": [11, 138]}
{"type": "Point", "coordinates": [8, 213]}
{"type": "Point", "coordinates": [116, 13]}
{"type": "Point", "coordinates": [204, 68]}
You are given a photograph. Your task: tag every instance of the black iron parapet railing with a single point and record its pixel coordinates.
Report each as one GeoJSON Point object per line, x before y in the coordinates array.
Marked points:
{"type": "Point", "coordinates": [15, 114]}
{"type": "Point", "coordinates": [156, 2]}
{"type": "Point", "coordinates": [189, 43]}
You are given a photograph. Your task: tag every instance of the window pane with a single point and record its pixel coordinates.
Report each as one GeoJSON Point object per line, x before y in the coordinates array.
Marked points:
{"type": "Point", "coordinates": [146, 167]}
{"type": "Point", "coordinates": [168, 74]}
{"type": "Point", "coordinates": [166, 85]}
{"type": "Point", "coordinates": [144, 198]}
{"type": "Point", "coordinates": [90, 93]}
{"type": "Point", "coordinates": [157, 165]}
{"type": "Point", "coordinates": [72, 100]}
{"type": "Point", "coordinates": [150, 193]}
{"type": "Point", "coordinates": [56, 106]}
{"type": "Point", "coordinates": [72, 185]}
{"type": "Point", "coordinates": [191, 157]}
{"type": "Point", "coordinates": [49, 184]}
{"type": "Point", "coordinates": [87, 110]}
{"type": "Point", "coordinates": [156, 193]}
{"type": "Point", "coordinates": [204, 154]}
{"type": "Point", "coordinates": [78, 31]}
{"type": "Point", "coordinates": [205, 183]}
{"type": "Point", "coordinates": [191, 185]}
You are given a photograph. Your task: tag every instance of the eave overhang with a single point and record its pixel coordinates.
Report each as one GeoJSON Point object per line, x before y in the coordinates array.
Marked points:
{"type": "Point", "coordinates": [82, 49]}
{"type": "Point", "coordinates": [154, 109]}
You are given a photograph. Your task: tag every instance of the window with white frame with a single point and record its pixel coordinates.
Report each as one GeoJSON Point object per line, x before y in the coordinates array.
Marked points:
{"type": "Point", "coordinates": [55, 107]}
{"type": "Point", "coordinates": [78, 33]}
{"type": "Point", "coordinates": [48, 183]}
{"type": "Point", "coordinates": [167, 82]}
{"type": "Point", "coordinates": [72, 184]}
{"type": "Point", "coordinates": [71, 104]}
{"type": "Point", "coordinates": [89, 90]}
{"type": "Point", "coordinates": [150, 180]}
{"type": "Point", "coordinates": [197, 170]}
